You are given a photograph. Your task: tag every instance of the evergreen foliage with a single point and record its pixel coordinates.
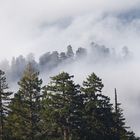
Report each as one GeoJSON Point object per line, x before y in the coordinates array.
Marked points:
{"type": "Point", "coordinates": [4, 102]}
{"type": "Point", "coordinates": [61, 110]}
{"type": "Point", "coordinates": [64, 104]}
{"type": "Point", "coordinates": [25, 107]}
{"type": "Point", "coordinates": [97, 109]}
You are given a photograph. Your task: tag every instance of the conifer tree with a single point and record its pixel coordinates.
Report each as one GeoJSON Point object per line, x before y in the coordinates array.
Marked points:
{"type": "Point", "coordinates": [121, 131]}
{"type": "Point", "coordinates": [26, 104]}
{"type": "Point", "coordinates": [97, 109]}
{"type": "Point", "coordinates": [70, 53]}
{"type": "Point", "coordinates": [64, 103]}
{"type": "Point", "coordinates": [4, 102]}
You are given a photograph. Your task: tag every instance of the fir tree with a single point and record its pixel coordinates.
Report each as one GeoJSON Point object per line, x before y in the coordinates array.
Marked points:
{"type": "Point", "coordinates": [64, 103]}
{"type": "Point", "coordinates": [26, 104]}
{"type": "Point", "coordinates": [4, 102]}
{"type": "Point", "coordinates": [97, 109]}
{"type": "Point", "coordinates": [70, 53]}
{"type": "Point", "coordinates": [121, 131]}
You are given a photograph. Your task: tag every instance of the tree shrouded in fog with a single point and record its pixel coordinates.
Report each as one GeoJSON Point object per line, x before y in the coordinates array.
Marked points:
{"type": "Point", "coordinates": [49, 61]}
{"type": "Point", "coordinates": [70, 52]}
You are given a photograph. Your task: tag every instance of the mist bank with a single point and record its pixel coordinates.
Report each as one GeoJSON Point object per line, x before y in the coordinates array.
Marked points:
{"type": "Point", "coordinates": [50, 61]}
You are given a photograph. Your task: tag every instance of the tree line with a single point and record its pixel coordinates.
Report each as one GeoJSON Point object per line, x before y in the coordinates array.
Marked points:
{"type": "Point", "coordinates": [50, 60]}
{"type": "Point", "coordinates": [60, 110]}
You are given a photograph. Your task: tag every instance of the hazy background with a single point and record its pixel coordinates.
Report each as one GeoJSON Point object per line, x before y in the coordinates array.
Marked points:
{"type": "Point", "coordinates": [39, 26]}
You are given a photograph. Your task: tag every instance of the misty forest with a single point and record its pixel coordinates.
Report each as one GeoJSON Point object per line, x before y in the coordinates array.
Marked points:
{"type": "Point", "coordinates": [69, 70]}
{"type": "Point", "coordinates": [60, 109]}
{"type": "Point", "coordinates": [49, 61]}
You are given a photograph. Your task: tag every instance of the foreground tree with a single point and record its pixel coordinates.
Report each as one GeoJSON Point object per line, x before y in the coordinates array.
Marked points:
{"type": "Point", "coordinates": [4, 102]}
{"type": "Point", "coordinates": [121, 131]}
{"type": "Point", "coordinates": [63, 104]}
{"type": "Point", "coordinates": [26, 105]}
{"type": "Point", "coordinates": [97, 110]}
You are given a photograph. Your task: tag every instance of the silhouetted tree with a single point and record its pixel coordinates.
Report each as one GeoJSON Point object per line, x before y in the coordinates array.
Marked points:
{"type": "Point", "coordinates": [70, 52]}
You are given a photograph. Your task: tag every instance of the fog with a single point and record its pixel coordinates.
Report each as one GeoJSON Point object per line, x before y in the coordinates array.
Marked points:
{"type": "Point", "coordinates": [40, 26]}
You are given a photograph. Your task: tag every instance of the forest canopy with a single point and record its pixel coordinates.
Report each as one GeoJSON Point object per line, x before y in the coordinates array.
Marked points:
{"type": "Point", "coordinates": [60, 110]}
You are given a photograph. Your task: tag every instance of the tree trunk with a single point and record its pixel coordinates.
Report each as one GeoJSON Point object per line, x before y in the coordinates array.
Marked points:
{"type": "Point", "coordinates": [66, 133]}
{"type": "Point", "coordinates": [1, 127]}
{"type": "Point", "coordinates": [31, 122]}
{"type": "Point", "coordinates": [1, 119]}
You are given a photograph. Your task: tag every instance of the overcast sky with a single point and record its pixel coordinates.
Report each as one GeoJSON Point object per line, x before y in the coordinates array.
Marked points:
{"type": "Point", "coordinates": [43, 25]}
{"type": "Point", "coordinates": [39, 26]}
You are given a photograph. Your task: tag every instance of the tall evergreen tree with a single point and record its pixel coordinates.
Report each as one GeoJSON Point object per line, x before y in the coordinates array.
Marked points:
{"type": "Point", "coordinates": [97, 109]}
{"type": "Point", "coordinates": [121, 131]}
{"type": "Point", "coordinates": [26, 104]}
{"type": "Point", "coordinates": [64, 103]}
{"type": "Point", "coordinates": [4, 102]}
{"type": "Point", "coordinates": [70, 53]}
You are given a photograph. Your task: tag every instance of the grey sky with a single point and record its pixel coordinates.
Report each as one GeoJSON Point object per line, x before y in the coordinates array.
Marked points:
{"type": "Point", "coordinates": [41, 25]}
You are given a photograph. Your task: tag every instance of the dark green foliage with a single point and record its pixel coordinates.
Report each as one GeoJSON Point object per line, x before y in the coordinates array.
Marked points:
{"type": "Point", "coordinates": [16, 118]}
{"type": "Point", "coordinates": [97, 110]}
{"type": "Point", "coordinates": [4, 102]}
{"type": "Point", "coordinates": [62, 110]}
{"type": "Point", "coordinates": [26, 106]}
{"type": "Point", "coordinates": [121, 132]}
{"type": "Point", "coordinates": [64, 104]}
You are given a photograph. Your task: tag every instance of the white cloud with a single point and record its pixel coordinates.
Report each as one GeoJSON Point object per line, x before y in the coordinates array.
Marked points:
{"type": "Point", "coordinates": [20, 20]}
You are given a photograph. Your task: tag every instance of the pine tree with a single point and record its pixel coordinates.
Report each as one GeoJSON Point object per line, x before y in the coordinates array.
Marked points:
{"type": "Point", "coordinates": [64, 103]}
{"type": "Point", "coordinates": [98, 110]}
{"type": "Point", "coordinates": [26, 104]}
{"type": "Point", "coordinates": [121, 131]}
{"type": "Point", "coordinates": [70, 53]}
{"type": "Point", "coordinates": [4, 102]}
